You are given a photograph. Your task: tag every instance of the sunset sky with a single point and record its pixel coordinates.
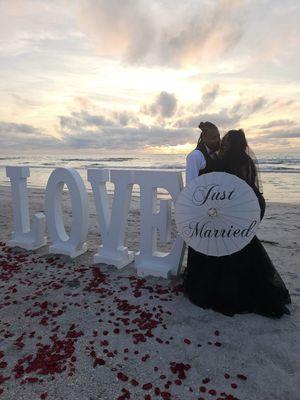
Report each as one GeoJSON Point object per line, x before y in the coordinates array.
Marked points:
{"type": "Point", "coordinates": [137, 75]}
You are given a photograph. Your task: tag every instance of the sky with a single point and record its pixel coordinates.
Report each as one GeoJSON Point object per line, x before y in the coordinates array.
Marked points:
{"type": "Point", "coordinates": [139, 75]}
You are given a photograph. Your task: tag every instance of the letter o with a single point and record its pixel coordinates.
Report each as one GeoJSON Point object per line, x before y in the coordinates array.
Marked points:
{"type": "Point", "coordinates": [74, 244]}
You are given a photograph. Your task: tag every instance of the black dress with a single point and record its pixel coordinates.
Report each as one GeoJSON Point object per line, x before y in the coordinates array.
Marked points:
{"type": "Point", "coordinates": [245, 281]}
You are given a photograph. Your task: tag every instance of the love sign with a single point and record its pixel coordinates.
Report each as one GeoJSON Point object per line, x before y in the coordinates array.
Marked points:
{"type": "Point", "coordinates": [111, 223]}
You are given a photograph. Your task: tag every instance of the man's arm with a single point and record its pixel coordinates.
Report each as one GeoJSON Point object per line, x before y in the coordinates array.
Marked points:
{"type": "Point", "coordinates": [195, 161]}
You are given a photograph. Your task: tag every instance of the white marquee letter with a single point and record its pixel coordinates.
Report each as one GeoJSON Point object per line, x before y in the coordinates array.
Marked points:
{"type": "Point", "coordinates": [74, 245]}
{"type": "Point", "coordinates": [148, 260]}
{"type": "Point", "coordinates": [23, 236]}
{"type": "Point", "coordinates": [112, 225]}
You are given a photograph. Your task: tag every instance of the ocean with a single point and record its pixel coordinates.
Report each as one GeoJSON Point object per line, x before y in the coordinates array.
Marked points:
{"type": "Point", "coordinates": [280, 174]}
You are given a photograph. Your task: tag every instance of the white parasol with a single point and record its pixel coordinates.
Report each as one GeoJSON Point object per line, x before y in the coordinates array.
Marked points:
{"type": "Point", "coordinates": [217, 213]}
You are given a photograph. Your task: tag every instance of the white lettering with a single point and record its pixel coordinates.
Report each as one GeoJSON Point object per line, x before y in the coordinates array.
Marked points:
{"type": "Point", "coordinates": [24, 236]}
{"type": "Point", "coordinates": [74, 245]}
{"type": "Point", "coordinates": [112, 224]}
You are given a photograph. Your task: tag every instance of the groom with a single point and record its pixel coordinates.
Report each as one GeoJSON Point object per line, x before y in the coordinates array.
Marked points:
{"type": "Point", "coordinates": [204, 157]}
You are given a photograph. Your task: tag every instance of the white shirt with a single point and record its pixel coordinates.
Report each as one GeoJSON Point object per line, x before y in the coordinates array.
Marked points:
{"type": "Point", "coordinates": [194, 162]}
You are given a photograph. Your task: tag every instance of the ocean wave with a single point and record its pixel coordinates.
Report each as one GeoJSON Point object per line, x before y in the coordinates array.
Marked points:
{"type": "Point", "coordinates": [169, 166]}
{"type": "Point", "coordinates": [181, 168]}
{"type": "Point", "coordinates": [282, 164]}
{"type": "Point", "coordinates": [10, 158]}
{"type": "Point", "coordinates": [286, 161]}
{"type": "Point", "coordinates": [117, 159]}
{"type": "Point", "coordinates": [279, 168]}
{"type": "Point", "coordinates": [161, 166]}
{"type": "Point", "coordinates": [92, 165]}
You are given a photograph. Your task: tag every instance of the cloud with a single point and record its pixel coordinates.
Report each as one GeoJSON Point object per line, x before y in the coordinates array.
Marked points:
{"type": "Point", "coordinates": [141, 32]}
{"type": "Point", "coordinates": [118, 27]}
{"type": "Point", "coordinates": [222, 35]}
{"type": "Point", "coordinates": [77, 134]}
{"type": "Point", "coordinates": [224, 118]}
{"type": "Point", "coordinates": [277, 139]}
{"type": "Point", "coordinates": [83, 119]}
{"type": "Point", "coordinates": [181, 34]}
{"type": "Point", "coordinates": [24, 136]}
{"type": "Point", "coordinates": [128, 138]}
{"type": "Point", "coordinates": [281, 103]}
{"type": "Point", "coordinates": [164, 106]}
{"type": "Point", "coordinates": [125, 118]}
{"type": "Point", "coordinates": [89, 127]}
{"type": "Point", "coordinates": [24, 102]}
{"type": "Point", "coordinates": [245, 109]}
{"type": "Point", "coordinates": [276, 123]}
{"type": "Point", "coordinates": [28, 26]}
{"type": "Point", "coordinates": [209, 94]}
{"type": "Point", "coordinates": [13, 128]}
{"type": "Point", "coordinates": [122, 130]}
{"type": "Point", "coordinates": [285, 134]}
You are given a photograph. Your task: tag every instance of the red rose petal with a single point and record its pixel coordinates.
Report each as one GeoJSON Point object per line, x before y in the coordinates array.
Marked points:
{"type": "Point", "coordinates": [98, 361]}
{"type": "Point", "coordinates": [166, 395]}
{"type": "Point", "coordinates": [122, 377]}
{"type": "Point", "coordinates": [147, 386]}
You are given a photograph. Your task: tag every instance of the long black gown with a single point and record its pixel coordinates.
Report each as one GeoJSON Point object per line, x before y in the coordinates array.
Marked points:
{"type": "Point", "coordinates": [245, 281]}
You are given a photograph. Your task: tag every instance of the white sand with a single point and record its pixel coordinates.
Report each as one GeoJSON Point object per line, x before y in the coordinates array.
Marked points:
{"type": "Point", "coordinates": [266, 351]}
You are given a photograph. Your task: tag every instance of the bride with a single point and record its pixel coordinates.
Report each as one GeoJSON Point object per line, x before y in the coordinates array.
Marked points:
{"type": "Point", "coordinates": [245, 281]}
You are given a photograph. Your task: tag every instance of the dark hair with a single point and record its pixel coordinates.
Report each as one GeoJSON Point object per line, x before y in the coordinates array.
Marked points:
{"type": "Point", "coordinates": [205, 127]}
{"type": "Point", "coordinates": [237, 143]}
{"type": "Point", "coordinates": [235, 157]}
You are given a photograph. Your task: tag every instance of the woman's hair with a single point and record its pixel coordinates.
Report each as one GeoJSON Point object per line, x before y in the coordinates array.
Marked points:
{"type": "Point", "coordinates": [205, 128]}
{"type": "Point", "coordinates": [234, 143]}
{"type": "Point", "coordinates": [238, 159]}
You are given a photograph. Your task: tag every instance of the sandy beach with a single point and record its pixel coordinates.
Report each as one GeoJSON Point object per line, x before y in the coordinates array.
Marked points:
{"type": "Point", "coordinates": [72, 330]}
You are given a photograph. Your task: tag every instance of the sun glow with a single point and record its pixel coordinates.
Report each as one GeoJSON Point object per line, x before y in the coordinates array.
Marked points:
{"type": "Point", "coordinates": [178, 149]}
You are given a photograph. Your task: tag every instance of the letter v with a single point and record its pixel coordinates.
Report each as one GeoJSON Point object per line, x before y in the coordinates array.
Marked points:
{"type": "Point", "coordinates": [112, 225]}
